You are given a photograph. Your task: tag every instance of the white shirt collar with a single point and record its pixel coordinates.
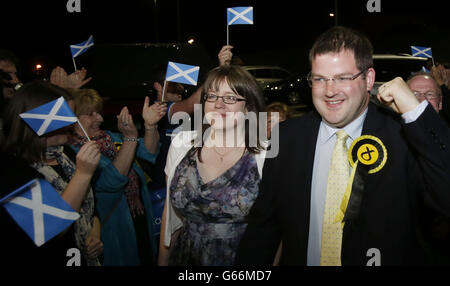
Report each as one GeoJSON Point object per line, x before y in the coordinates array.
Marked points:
{"type": "Point", "coordinates": [354, 129]}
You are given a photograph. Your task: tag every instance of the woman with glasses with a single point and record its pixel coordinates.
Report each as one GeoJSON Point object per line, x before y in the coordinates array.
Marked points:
{"type": "Point", "coordinates": [212, 183]}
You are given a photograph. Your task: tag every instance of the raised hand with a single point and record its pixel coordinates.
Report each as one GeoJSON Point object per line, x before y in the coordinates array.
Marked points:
{"type": "Point", "coordinates": [75, 80]}
{"type": "Point", "coordinates": [125, 124]}
{"type": "Point", "coordinates": [225, 55]}
{"type": "Point", "coordinates": [440, 75]}
{"type": "Point", "coordinates": [153, 113]}
{"type": "Point", "coordinates": [397, 95]}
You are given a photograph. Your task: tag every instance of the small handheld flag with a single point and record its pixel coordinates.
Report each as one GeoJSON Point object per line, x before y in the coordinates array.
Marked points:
{"type": "Point", "coordinates": [181, 73]}
{"type": "Point", "coordinates": [423, 52]}
{"type": "Point", "coordinates": [238, 16]}
{"type": "Point", "coordinates": [49, 117]}
{"type": "Point", "coordinates": [39, 210]}
{"type": "Point", "coordinates": [81, 48]}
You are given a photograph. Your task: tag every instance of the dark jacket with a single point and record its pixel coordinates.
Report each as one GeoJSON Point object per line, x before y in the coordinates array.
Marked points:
{"type": "Point", "coordinates": [418, 166]}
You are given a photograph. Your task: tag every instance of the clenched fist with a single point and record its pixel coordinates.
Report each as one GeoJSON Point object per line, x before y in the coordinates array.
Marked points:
{"type": "Point", "coordinates": [397, 95]}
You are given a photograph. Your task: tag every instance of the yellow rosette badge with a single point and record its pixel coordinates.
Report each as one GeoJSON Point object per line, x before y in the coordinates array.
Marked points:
{"type": "Point", "coordinates": [369, 151]}
{"type": "Point", "coordinates": [368, 155]}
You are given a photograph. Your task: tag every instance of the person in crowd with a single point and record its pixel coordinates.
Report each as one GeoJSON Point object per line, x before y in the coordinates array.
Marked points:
{"type": "Point", "coordinates": [173, 96]}
{"type": "Point", "coordinates": [9, 81]}
{"type": "Point", "coordinates": [120, 186]}
{"type": "Point", "coordinates": [283, 114]}
{"type": "Point", "coordinates": [425, 86]}
{"type": "Point", "coordinates": [8, 69]}
{"type": "Point", "coordinates": [169, 125]}
{"type": "Point", "coordinates": [212, 185]}
{"type": "Point", "coordinates": [442, 77]}
{"type": "Point", "coordinates": [26, 156]}
{"type": "Point", "coordinates": [322, 213]}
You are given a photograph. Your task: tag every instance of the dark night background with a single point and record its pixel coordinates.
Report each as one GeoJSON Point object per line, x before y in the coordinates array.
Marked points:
{"type": "Point", "coordinates": [41, 31]}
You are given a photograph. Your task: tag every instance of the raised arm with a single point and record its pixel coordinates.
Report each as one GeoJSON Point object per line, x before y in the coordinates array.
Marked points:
{"type": "Point", "coordinates": [86, 162]}
{"type": "Point", "coordinates": [151, 115]}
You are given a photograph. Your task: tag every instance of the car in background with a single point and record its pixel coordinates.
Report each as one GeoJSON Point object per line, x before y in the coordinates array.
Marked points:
{"type": "Point", "coordinates": [293, 91]}
{"type": "Point", "coordinates": [296, 93]}
{"type": "Point", "coordinates": [267, 74]}
{"type": "Point", "coordinates": [388, 67]}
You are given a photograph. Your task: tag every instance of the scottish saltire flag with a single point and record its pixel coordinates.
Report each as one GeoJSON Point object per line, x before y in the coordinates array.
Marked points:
{"type": "Point", "coordinates": [80, 48]}
{"type": "Point", "coordinates": [50, 116]}
{"type": "Point", "coordinates": [39, 210]}
{"type": "Point", "coordinates": [240, 15]}
{"type": "Point", "coordinates": [182, 73]}
{"type": "Point", "coordinates": [423, 52]}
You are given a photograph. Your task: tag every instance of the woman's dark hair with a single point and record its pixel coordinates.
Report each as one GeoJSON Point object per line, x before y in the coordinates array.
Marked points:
{"type": "Point", "coordinates": [338, 39]}
{"type": "Point", "coordinates": [243, 83]}
{"type": "Point", "coordinates": [20, 139]}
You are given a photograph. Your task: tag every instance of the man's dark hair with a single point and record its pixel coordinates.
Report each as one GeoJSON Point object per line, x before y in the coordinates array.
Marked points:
{"type": "Point", "coordinates": [338, 39]}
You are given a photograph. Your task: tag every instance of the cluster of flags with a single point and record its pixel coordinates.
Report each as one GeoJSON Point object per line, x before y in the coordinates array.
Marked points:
{"type": "Point", "coordinates": [36, 207]}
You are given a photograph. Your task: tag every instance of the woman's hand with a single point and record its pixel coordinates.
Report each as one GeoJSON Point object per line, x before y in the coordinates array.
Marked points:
{"type": "Point", "coordinates": [126, 125]}
{"type": "Point", "coordinates": [225, 55]}
{"type": "Point", "coordinates": [75, 80]}
{"type": "Point", "coordinates": [87, 158]}
{"type": "Point", "coordinates": [153, 113]}
{"type": "Point", "coordinates": [94, 246]}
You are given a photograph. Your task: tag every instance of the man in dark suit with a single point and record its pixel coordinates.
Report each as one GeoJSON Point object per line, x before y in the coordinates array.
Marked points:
{"type": "Point", "coordinates": [380, 215]}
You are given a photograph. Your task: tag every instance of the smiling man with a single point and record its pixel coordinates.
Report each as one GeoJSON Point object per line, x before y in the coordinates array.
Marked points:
{"type": "Point", "coordinates": [330, 206]}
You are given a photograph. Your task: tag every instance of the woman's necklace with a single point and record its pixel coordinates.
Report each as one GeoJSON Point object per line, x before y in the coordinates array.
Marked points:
{"type": "Point", "coordinates": [221, 156]}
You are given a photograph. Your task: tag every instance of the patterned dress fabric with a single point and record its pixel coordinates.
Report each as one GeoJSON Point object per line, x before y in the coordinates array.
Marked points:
{"type": "Point", "coordinates": [214, 214]}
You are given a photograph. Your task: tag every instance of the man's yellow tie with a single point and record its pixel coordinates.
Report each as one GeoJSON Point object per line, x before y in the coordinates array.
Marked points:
{"type": "Point", "coordinates": [338, 176]}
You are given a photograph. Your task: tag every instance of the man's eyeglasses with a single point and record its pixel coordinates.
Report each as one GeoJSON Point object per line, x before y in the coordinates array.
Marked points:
{"type": "Point", "coordinates": [228, 99]}
{"type": "Point", "coordinates": [318, 82]}
{"type": "Point", "coordinates": [430, 95]}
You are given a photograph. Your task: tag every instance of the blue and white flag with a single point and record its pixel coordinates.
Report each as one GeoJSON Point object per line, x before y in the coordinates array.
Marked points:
{"type": "Point", "coordinates": [80, 48]}
{"type": "Point", "coordinates": [39, 210]}
{"type": "Point", "coordinates": [240, 15]}
{"type": "Point", "coordinates": [422, 52]}
{"type": "Point", "coordinates": [182, 73]}
{"type": "Point", "coordinates": [49, 117]}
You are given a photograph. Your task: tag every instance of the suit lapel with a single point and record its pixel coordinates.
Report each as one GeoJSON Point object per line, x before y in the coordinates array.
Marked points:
{"type": "Point", "coordinates": [305, 151]}
{"type": "Point", "coordinates": [363, 182]}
